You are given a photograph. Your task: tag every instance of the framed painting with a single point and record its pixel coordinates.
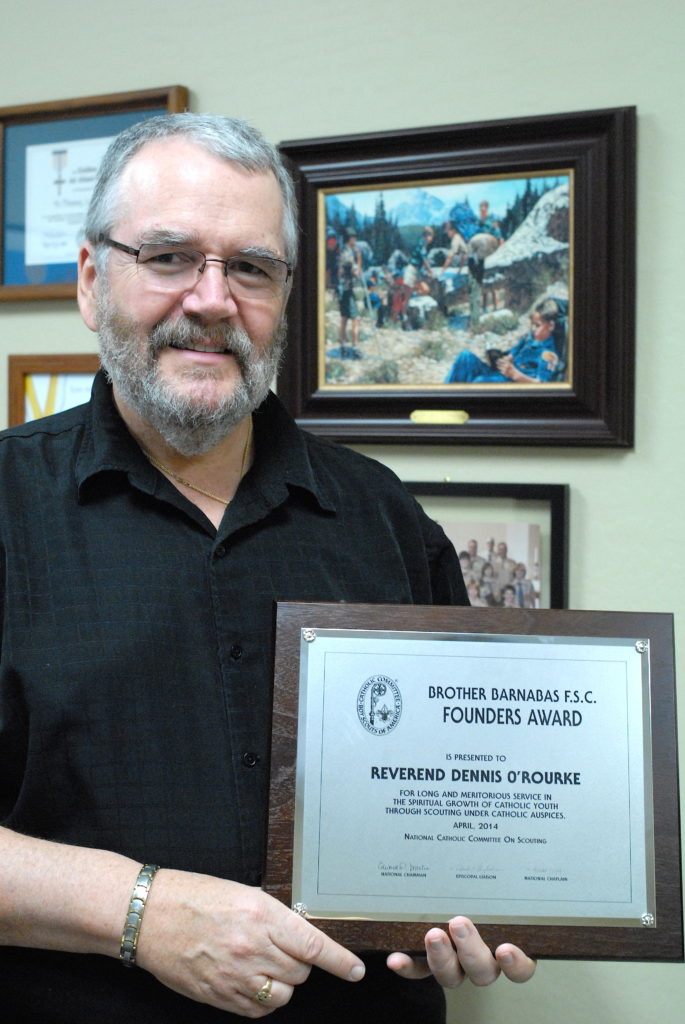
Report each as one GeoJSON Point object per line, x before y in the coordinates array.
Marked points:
{"type": "Point", "coordinates": [512, 539]}
{"type": "Point", "coordinates": [467, 284]}
{"type": "Point", "coordinates": [45, 384]}
{"type": "Point", "coordinates": [49, 156]}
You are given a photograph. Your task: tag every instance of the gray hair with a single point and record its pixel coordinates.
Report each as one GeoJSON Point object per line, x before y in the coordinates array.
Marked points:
{"type": "Point", "coordinates": [226, 137]}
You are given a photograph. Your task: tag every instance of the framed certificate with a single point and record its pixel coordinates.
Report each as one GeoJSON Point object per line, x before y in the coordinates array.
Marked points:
{"type": "Point", "coordinates": [517, 766]}
{"type": "Point", "coordinates": [51, 154]}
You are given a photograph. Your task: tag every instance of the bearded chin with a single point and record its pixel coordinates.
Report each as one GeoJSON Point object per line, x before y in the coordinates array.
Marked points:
{"type": "Point", "coordinates": [190, 413]}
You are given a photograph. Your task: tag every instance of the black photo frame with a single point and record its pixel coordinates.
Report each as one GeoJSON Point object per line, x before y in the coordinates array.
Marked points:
{"type": "Point", "coordinates": [594, 406]}
{"type": "Point", "coordinates": [548, 504]}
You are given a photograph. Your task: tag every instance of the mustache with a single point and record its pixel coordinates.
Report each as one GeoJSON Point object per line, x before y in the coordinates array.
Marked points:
{"type": "Point", "coordinates": [185, 331]}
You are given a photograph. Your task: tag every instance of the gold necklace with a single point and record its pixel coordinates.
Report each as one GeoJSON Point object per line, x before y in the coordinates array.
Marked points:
{"type": "Point", "coordinates": [194, 487]}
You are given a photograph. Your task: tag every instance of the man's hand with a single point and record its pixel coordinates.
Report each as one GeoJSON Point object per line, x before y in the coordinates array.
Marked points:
{"type": "Point", "coordinates": [461, 954]}
{"type": "Point", "coordinates": [219, 942]}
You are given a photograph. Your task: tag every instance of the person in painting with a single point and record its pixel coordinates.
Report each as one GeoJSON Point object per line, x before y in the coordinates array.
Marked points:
{"type": "Point", "coordinates": [350, 269]}
{"type": "Point", "coordinates": [419, 264]}
{"type": "Point", "coordinates": [487, 238]}
{"type": "Point", "coordinates": [457, 248]}
{"type": "Point", "coordinates": [451, 270]}
{"type": "Point", "coordinates": [332, 260]}
{"type": "Point", "coordinates": [377, 296]}
{"type": "Point", "coordinates": [487, 224]}
{"type": "Point", "coordinates": [399, 294]}
{"type": "Point", "coordinates": [534, 359]}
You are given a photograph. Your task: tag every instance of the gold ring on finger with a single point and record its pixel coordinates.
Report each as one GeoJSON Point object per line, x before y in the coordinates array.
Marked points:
{"type": "Point", "coordinates": [264, 994]}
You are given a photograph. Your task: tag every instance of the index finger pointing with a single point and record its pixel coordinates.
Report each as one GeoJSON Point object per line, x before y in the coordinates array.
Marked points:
{"type": "Point", "coordinates": [305, 942]}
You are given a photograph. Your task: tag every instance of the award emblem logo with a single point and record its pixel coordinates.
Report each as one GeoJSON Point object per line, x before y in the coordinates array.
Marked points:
{"type": "Point", "coordinates": [379, 705]}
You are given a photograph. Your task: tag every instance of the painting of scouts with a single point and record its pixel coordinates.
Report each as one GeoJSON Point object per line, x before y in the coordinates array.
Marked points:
{"type": "Point", "coordinates": [462, 284]}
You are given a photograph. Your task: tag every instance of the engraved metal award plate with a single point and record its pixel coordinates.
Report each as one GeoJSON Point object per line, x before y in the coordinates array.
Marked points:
{"type": "Point", "coordinates": [519, 767]}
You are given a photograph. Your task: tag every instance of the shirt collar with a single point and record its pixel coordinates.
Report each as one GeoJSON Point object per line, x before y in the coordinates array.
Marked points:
{"type": "Point", "coordinates": [283, 454]}
{"type": "Point", "coordinates": [283, 458]}
{"type": "Point", "coordinates": [107, 445]}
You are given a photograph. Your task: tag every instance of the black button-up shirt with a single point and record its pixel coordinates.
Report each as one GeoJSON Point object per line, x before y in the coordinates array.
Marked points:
{"type": "Point", "coordinates": [136, 639]}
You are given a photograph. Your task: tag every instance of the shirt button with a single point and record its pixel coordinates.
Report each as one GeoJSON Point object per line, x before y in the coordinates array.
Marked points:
{"type": "Point", "coordinates": [236, 652]}
{"type": "Point", "coordinates": [250, 759]}
{"type": "Point", "coordinates": [220, 551]}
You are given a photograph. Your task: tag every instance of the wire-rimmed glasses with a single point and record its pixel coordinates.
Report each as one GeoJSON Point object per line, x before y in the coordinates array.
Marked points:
{"type": "Point", "coordinates": [173, 267]}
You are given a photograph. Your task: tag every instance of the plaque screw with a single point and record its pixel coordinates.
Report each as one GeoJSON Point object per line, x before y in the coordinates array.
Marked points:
{"type": "Point", "coordinates": [647, 920]}
{"type": "Point", "coordinates": [642, 646]}
{"type": "Point", "coordinates": [309, 635]}
{"type": "Point", "coordinates": [300, 909]}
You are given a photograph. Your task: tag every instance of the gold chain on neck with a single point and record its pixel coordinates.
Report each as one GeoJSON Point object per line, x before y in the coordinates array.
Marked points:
{"type": "Point", "coordinates": [194, 487]}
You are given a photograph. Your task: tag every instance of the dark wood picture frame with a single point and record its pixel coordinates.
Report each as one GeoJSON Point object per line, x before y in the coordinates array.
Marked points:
{"type": "Point", "coordinates": [597, 410]}
{"type": "Point", "coordinates": [61, 120]}
{"type": "Point", "coordinates": [555, 496]}
{"type": "Point", "coordinates": [21, 367]}
{"type": "Point", "coordinates": [658, 940]}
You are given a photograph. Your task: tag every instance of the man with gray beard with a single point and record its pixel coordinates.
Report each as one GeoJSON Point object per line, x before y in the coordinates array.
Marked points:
{"type": "Point", "coordinates": [145, 537]}
{"type": "Point", "coordinates": [191, 428]}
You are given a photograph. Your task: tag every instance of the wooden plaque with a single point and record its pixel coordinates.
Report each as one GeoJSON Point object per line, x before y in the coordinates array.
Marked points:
{"type": "Point", "coordinates": [322, 732]}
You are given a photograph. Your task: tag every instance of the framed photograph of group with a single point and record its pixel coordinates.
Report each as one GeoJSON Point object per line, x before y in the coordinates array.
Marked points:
{"type": "Point", "coordinates": [468, 283]}
{"type": "Point", "coordinates": [512, 539]}
{"type": "Point", "coordinates": [50, 153]}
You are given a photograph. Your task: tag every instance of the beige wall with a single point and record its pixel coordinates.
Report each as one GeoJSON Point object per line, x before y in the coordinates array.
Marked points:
{"type": "Point", "coordinates": [304, 68]}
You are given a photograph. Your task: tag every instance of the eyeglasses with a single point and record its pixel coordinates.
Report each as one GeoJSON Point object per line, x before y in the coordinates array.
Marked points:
{"type": "Point", "coordinates": [173, 267]}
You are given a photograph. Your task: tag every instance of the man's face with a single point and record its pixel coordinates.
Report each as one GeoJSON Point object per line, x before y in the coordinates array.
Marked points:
{"type": "Point", "coordinates": [484, 207]}
{"type": "Point", "coordinates": [502, 549]}
{"type": "Point", "coordinates": [195, 357]}
{"type": "Point", "coordinates": [472, 548]}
